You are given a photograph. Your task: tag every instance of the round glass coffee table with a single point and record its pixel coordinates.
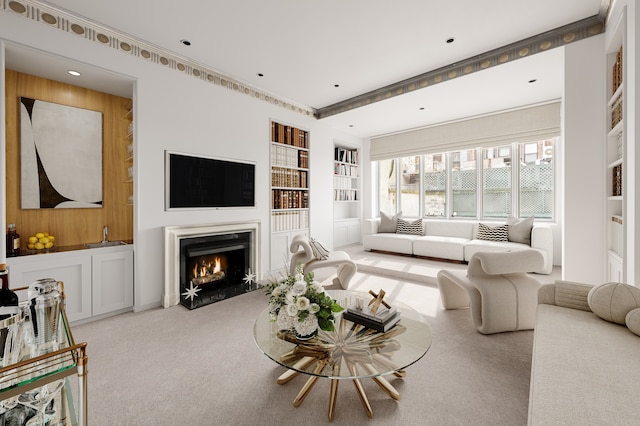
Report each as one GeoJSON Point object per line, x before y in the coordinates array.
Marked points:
{"type": "Point", "coordinates": [350, 352]}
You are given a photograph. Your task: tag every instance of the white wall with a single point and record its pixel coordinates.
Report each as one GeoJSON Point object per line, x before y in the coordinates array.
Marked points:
{"type": "Point", "coordinates": [181, 113]}
{"type": "Point", "coordinates": [583, 112]}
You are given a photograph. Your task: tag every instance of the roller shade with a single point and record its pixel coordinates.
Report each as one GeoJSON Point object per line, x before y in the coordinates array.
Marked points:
{"type": "Point", "coordinates": [521, 125]}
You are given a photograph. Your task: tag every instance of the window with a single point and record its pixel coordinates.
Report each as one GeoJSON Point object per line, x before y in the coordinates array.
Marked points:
{"type": "Point", "coordinates": [387, 186]}
{"type": "Point", "coordinates": [435, 185]}
{"type": "Point", "coordinates": [515, 179]}
{"type": "Point", "coordinates": [536, 179]}
{"type": "Point", "coordinates": [496, 182]}
{"type": "Point", "coordinates": [410, 186]}
{"type": "Point", "coordinates": [463, 183]}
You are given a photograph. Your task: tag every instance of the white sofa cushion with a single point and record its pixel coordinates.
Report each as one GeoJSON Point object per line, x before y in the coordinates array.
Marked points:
{"type": "Point", "coordinates": [449, 228]}
{"type": "Point", "coordinates": [474, 246]}
{"type": "Point", "coordinates": [440, 247]}
{"type": "Point", "coordinates": [520, 230]}
{"type": "Point", "coordinates": [388, 224]}
{"type": "Point", "coordinates": [633, 321]}
{"type": "Point", "coordinates": [398, 243]}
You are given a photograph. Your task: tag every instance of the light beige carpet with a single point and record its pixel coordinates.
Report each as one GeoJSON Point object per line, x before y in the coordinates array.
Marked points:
{"type": "Point", "coordinates": [202, 367]}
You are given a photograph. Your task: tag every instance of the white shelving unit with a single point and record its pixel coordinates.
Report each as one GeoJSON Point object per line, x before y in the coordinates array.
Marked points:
{"type": "Point", "coordinates": [289, 148]}
{"type": "Point", "coordinates": [615, 153]}
{"type": "Point", "coordinates": [347, 195]}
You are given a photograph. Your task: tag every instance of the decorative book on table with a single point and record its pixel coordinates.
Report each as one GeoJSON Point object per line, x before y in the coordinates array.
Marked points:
{"type": "Point", "coordinates": [375, 325]}
{"type": "Point", "coordinates": [381, 320]}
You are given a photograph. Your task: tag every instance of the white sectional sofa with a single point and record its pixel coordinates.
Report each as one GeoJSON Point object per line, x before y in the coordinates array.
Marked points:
{"type": "Point", "coordinates": [584, 370]}
{"type": "Point", "coordinates": [453, 240]}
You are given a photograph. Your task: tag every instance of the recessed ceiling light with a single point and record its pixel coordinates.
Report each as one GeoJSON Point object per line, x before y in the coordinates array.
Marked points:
{"type": "Point", "coordinates": [421, 108]}
{"type": "Point", "coordinates": [533, 80]}
{"type": "Point", "coordinates": [336, 85]}
{"type": "Point", "coordinates": [260, 74]}
{"type": "Point", "coordinates": [185, 42]}
{"type": "Point", "coordinates": [74, 73]}
{"type": "Point", "coordinates": [451, 40]}
{"type": "Point", "coordinates": [350, 125]}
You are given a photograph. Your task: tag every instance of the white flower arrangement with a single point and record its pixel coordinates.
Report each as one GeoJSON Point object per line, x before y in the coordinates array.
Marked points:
{"type": "Point", "coordinates": [297, 302]}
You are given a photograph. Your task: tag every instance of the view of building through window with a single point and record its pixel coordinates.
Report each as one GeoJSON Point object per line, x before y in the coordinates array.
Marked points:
{"type": "Point", "coordinates": [496, 182]}
{"type": "Point", "coordinates": [515, 179]}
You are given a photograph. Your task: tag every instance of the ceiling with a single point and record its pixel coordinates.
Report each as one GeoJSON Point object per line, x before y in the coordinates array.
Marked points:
{"type": "Point", "coordinates": [304, 49]}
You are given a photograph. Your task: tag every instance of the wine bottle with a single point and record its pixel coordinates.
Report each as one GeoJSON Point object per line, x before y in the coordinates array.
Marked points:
{"type": "Point", "coordinates": [13, 241]}
{"type": "Point", "coordinates": [7, 297]}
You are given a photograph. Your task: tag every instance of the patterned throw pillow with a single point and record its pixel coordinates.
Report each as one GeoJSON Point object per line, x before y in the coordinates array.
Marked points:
{"type": "Point", "coordinates": [495, 233]}
{"type": "Point", "coordinates": [319, 252]}
{"type": "Point", "coordinates": [412, 228]}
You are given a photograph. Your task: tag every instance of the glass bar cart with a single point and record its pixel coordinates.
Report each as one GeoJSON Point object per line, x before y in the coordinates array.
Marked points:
{"type": "Point", "coordinates": [35, 385]}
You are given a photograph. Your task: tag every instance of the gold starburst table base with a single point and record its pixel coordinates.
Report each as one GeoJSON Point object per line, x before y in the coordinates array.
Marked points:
{"type": "Point", "coordinates": [364, 352]}
{"type": "Point", "coordinates": [308, 361]}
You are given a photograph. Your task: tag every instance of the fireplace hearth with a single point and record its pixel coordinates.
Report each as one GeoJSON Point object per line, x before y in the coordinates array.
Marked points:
{"type": "Point", "coordinates": [208, 263]}
{"type": "Point", "coordinates": [213, 268]}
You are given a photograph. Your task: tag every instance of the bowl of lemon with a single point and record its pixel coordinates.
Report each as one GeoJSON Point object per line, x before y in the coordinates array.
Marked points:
{"type": "Point", "coordinates": [41, 241]}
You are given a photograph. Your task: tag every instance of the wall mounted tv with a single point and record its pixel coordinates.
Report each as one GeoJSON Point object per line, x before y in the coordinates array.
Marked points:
{"type": "Point", "coordinates": [203, 182]}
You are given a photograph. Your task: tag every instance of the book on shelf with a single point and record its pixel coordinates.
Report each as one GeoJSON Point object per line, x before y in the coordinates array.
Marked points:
{"type": "Point", "coordinates": [374, 325]}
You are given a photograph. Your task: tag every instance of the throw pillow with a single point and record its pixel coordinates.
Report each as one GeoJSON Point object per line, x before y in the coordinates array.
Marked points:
{"type": "Point", "coordinates": [493, 233]}
{"type": "Point", "coordinates": [388, 224]}
{"type": "Point", "coordinates": [633, 321]}
{"type": "Point", "coordinates": [411, 228]}
{"type": "Point", "coordinates": [613, 301]}
{"type": "Point", "coordinates": [319, 252]}
{"type": "Point", "coordinates": [520, 230]}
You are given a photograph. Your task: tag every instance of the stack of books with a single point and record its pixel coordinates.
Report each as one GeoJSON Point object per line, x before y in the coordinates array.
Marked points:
{"type": "Point", "coordinates": [382, 320]}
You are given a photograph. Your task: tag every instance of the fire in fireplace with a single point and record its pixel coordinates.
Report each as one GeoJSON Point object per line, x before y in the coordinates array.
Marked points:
{"type": "Point", "coordinates": [214, 268]}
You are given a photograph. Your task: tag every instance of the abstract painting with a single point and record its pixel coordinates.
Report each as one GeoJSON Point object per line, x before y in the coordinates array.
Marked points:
{"type": "Point", "coordinates": [61, 156]}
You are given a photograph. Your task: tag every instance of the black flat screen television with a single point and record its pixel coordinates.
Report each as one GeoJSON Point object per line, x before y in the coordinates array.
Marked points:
{"type": "Point", "coordinates": [205, 182]}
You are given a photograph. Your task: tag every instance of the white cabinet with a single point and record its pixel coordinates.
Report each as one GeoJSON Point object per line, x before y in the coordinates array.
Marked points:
{"type": "Point", "coordinates": [280, 244]}
{"type": "Point", "coordinates": [96, 281]}
{"type": "Point", "coordinates": [72, 268]}
{"type": "Point", "coordinates": [112, 278]}
{"type": "Point", "coordinates": [346, 232]}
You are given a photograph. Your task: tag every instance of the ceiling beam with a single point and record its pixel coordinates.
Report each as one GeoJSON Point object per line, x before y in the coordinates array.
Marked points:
{"type": "Point", "coordinates": [558, 37]}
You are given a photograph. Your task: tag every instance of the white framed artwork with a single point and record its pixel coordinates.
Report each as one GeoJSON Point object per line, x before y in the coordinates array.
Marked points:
{"type": "Point", "coordinates": [60, 157]}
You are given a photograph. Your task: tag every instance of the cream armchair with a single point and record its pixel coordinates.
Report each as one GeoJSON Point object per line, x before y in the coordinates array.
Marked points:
{"type": "Point", "coordinates": [313, 256]}
{"type": "Point", "coordinates": [497, 288]}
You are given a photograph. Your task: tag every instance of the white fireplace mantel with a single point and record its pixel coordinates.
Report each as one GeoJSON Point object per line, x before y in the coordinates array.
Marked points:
{"type": "Point", "coordinates": [172, 237]}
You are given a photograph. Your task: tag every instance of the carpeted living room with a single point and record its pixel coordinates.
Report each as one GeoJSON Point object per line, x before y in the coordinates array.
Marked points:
{"type": "Point", "coordinates": [258, 213]}
{"type": "Point", "coordinates": [184, 363]}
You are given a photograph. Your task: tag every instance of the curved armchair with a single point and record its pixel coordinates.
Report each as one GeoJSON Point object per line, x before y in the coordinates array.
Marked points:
{"type": "Point", "coordinates": [311, 258]}
{"type": "Point", "coordinates": [497, 288]}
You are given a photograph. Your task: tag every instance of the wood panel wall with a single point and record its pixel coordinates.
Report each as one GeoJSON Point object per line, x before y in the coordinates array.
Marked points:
{"type": "Point", "coordinates": [73, 226]}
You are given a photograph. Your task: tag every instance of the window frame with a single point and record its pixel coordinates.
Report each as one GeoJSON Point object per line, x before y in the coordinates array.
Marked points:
{"type": "Point", "coordinates": [515, 147]}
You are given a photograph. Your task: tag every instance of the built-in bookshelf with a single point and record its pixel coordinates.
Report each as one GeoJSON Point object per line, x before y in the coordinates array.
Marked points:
{"type": "Point", "coordinates": [346, 195]}
{"type": "Point", "coordinates": [289, 148]}
{"type": "Point", "coordinates": [615, 153]}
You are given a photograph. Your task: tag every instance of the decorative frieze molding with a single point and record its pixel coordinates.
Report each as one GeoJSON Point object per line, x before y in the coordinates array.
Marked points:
{"type": "Point", "coordinates": [101, 35]}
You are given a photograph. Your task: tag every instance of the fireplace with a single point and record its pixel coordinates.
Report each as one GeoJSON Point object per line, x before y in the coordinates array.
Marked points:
{"type": "Point", "coordinates": [213, 268]}
{"type": "Point", "coordinates": [208, 263]}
